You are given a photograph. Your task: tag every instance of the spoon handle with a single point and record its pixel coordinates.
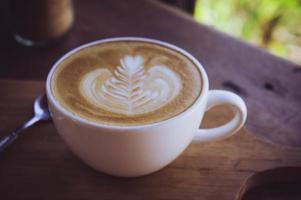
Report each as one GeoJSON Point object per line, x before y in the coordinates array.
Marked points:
{"type": "Point", "coordinates": [8, 139]}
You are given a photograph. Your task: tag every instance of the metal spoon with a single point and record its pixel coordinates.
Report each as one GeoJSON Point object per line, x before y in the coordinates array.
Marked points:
{"type": "Point", "coordinates": [41, 113]}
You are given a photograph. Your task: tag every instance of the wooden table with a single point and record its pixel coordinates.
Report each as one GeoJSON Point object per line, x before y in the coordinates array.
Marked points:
{"type": "Point", "coordinates": [39, 166]}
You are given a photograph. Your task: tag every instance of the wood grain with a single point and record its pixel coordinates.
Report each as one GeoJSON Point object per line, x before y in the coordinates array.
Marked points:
{"type": "Point", "coordinates": [40, 166]}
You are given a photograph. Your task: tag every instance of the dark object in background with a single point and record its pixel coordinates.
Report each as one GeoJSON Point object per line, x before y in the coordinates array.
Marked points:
{"type": "Point", "coordinates": [3, 16]}
{"type": "Point", "coordinates": [38, 22]}
{"type": "Point", "coordinates": [186, 5]}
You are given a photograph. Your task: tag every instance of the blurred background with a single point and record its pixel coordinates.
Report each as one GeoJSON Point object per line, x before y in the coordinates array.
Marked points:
{"type": "Point", "coordinates": [272, 24]}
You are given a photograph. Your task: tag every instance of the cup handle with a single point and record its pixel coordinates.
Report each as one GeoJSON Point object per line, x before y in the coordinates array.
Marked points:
{"type": "Point", "coordinates": [218, 97]}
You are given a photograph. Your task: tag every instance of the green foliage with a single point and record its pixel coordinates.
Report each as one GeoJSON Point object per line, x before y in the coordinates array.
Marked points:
{"type": "Point", "coordinates": [272, 24]}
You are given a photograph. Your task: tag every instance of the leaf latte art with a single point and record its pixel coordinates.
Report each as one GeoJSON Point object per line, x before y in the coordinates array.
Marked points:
{"type": "Point", "coordinates": [130, 89]}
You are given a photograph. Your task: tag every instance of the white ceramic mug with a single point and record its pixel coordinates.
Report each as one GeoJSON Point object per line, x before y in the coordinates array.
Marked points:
{"type": "Point", "coordinates": [139, 150]}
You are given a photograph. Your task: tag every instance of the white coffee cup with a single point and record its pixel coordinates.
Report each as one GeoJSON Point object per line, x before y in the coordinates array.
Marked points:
{"type": "Point", "coordinates": [139, 150]}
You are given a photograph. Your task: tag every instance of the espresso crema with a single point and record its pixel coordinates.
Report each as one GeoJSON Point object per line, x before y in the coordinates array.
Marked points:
{"type": "Point", "coordinates": [126, 83]}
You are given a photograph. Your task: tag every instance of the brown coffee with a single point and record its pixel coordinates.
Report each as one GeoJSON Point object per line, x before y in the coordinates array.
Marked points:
{"type": "Point", "coordinates": [126, 83]}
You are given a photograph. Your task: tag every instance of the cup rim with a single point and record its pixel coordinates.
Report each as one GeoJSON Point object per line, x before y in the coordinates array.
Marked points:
{"type": "Point", "coordinates": [190, 109]}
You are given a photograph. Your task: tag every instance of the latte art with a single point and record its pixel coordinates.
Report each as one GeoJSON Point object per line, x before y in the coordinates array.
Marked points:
{"type": "Point", "coordinates": [130, 90]}
{"type": "Point", "coordinates": [126, 83]}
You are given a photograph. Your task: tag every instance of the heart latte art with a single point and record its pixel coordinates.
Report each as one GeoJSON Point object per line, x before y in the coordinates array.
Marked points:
{"type": "Point", "coordinates": [130, 89]}
{"type": "Point", "coordinates": [126, 83]}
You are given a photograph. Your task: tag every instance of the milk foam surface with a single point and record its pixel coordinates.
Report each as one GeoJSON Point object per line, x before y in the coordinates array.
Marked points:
{"type": "Point", "coordinates": [126, 83]}
{"type": "Point", "coordinates": [130, 90]}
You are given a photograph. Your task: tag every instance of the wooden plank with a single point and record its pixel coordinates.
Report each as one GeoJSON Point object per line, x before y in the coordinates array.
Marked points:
{"type": "Point", "coordinates": [40, 166]}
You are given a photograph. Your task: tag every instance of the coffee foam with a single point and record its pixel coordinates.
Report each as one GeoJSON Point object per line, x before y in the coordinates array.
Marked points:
{"type": "Point", "coordinates": [126, 83]}
{"type": "Point", "coordinates": [130, 90]}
